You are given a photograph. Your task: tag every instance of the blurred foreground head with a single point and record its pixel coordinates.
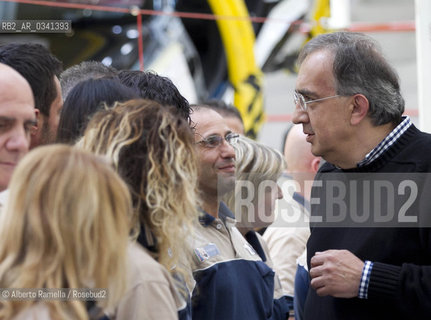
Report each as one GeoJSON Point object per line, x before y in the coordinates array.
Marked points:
{"type": "Point", "coordinates": [66, 225]}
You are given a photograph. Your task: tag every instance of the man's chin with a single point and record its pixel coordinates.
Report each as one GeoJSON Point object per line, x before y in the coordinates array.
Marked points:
{"type": "Point", "coordinates": [225, 184]}
{"type": "Point", "coordinates": [315, 150]}
{"type": "Point", "coordinates": [6, 174]}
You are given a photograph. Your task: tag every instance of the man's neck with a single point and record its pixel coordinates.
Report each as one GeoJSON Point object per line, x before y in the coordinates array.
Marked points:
{"type": "Point", "coordinates": [366, 139]}
{"type": "Point", "coordinates": [211, 205]}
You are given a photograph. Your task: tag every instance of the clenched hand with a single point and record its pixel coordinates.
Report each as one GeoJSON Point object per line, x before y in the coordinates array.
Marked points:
{"type": "Point", "coordinates": [336, 273]}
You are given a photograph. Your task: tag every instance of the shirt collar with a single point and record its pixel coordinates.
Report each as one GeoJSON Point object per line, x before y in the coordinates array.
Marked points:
{"type": "Point", "coordinates": [388, 141]}
{"type": "Point", "coordinates": [300, 199]}
{"type": "Point", "coordinates": [206, 219]}
{"type": "Point", "coordinates": [223, 212]}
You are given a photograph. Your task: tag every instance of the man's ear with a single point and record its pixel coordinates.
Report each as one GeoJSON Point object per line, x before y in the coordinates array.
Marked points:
{"type": "Point", "coordinates": [38, 120]}
{"type": "Point", "coordinates": [315, 163]}
{"type": "Point", "coordinates": [360, 109]}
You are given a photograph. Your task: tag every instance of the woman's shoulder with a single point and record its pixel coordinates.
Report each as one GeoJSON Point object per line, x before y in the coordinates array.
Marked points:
{"type": "Point", "coordinates": [38, 311]}
{"type": "Point", "coordinates": [142, 266]}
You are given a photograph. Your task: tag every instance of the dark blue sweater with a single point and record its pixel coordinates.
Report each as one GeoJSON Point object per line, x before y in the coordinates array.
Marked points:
{"type": "Point", "coordinates": [400, 283]}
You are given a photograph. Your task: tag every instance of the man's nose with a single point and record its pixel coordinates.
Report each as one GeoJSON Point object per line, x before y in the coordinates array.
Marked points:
{"type": "Point", "coordinates": [227, 150]}
{"type": "Point", "coordinates": [300, 116]}
{"type": "Point", "coordinates": [19, 140]}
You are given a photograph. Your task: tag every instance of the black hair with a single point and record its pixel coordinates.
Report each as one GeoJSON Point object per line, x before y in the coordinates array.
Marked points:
{"type": "Point", "coordinates": [84, 100]}
{"type": "Point", "coordinates": [154, 87]}
{"type": "Point", "coordinates": [38, 66]}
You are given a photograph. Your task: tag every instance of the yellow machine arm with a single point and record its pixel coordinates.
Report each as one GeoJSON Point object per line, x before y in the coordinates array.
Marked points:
{"type": "Point", "coordinates": [246, 78]}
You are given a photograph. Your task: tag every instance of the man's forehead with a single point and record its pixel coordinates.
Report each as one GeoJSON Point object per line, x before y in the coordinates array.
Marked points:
{"type": "Point", "coordinates": [315, 73]}
{"type": "Point", "coordinates": [16, 103]}
{"type": "Point", "coordinates": [14, 88]}
{"type": "Point", "coordinates": [209, 122]}
{"type": "Point", "coordinates": [21, 112]}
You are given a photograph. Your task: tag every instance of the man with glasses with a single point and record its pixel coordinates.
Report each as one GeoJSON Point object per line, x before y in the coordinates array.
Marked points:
{"type": "Point", "coordinates": [349, 103]}
{"type": "Point", "coordinates": [232, 282]}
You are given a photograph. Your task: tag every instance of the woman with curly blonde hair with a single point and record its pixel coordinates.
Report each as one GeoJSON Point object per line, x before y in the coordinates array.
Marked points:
{"type": "Point", "coordinates": [152, 148]}
{"type": "Point", "coordinates": [66, 225]}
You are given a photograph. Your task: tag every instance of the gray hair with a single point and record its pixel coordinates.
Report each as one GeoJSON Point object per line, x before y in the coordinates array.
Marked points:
{"type": "Point", "coordinates": [83, 71]}
{"type": "Point", "coordinates": [360, 67]}
{"type": "Point", "coordinates": [255, 162]}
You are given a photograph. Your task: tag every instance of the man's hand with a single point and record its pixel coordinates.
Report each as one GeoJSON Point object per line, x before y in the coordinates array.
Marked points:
{"type": "Point", "coordinates": [336, 273]}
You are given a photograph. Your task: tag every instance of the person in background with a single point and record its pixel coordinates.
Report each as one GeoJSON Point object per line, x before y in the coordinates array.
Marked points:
{"type": "Point", "coordinates": [230, 113]}
{"type": "Point", "coordinates": [287, 242]}
{"type": "Point", "coordinates": [41, 69]}
{"type": "Point", "coordinates": [85, 99]}
{"type": "Point", "coordinates": [253, 199]}
{"type": "Point", "coordinates": [256, 190]}
{"type": "Point", "coordinates": [154, 87]}
{"type": "Point", "coordinates": [17, 121]}
{"type": "Point", "coordinates": [231, 280]}
{"type": "Point", "coordinates": [152, 148]}
{"type": "Point", "coordinates": [85, 70]}
{"type": "Point", "coordinates": [66, 225]}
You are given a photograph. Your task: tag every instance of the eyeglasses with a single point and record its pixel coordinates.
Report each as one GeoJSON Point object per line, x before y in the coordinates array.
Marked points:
{"type": "Point", "coordinates": [215, 140]}
{"type": "Point", "coordinates": [300, 100]}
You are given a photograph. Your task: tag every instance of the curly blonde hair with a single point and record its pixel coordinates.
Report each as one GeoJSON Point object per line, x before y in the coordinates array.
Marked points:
{"type": "Point", "coordinates": [153, 149]}
{"type": "Point", "coordinates": [66, 225]}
